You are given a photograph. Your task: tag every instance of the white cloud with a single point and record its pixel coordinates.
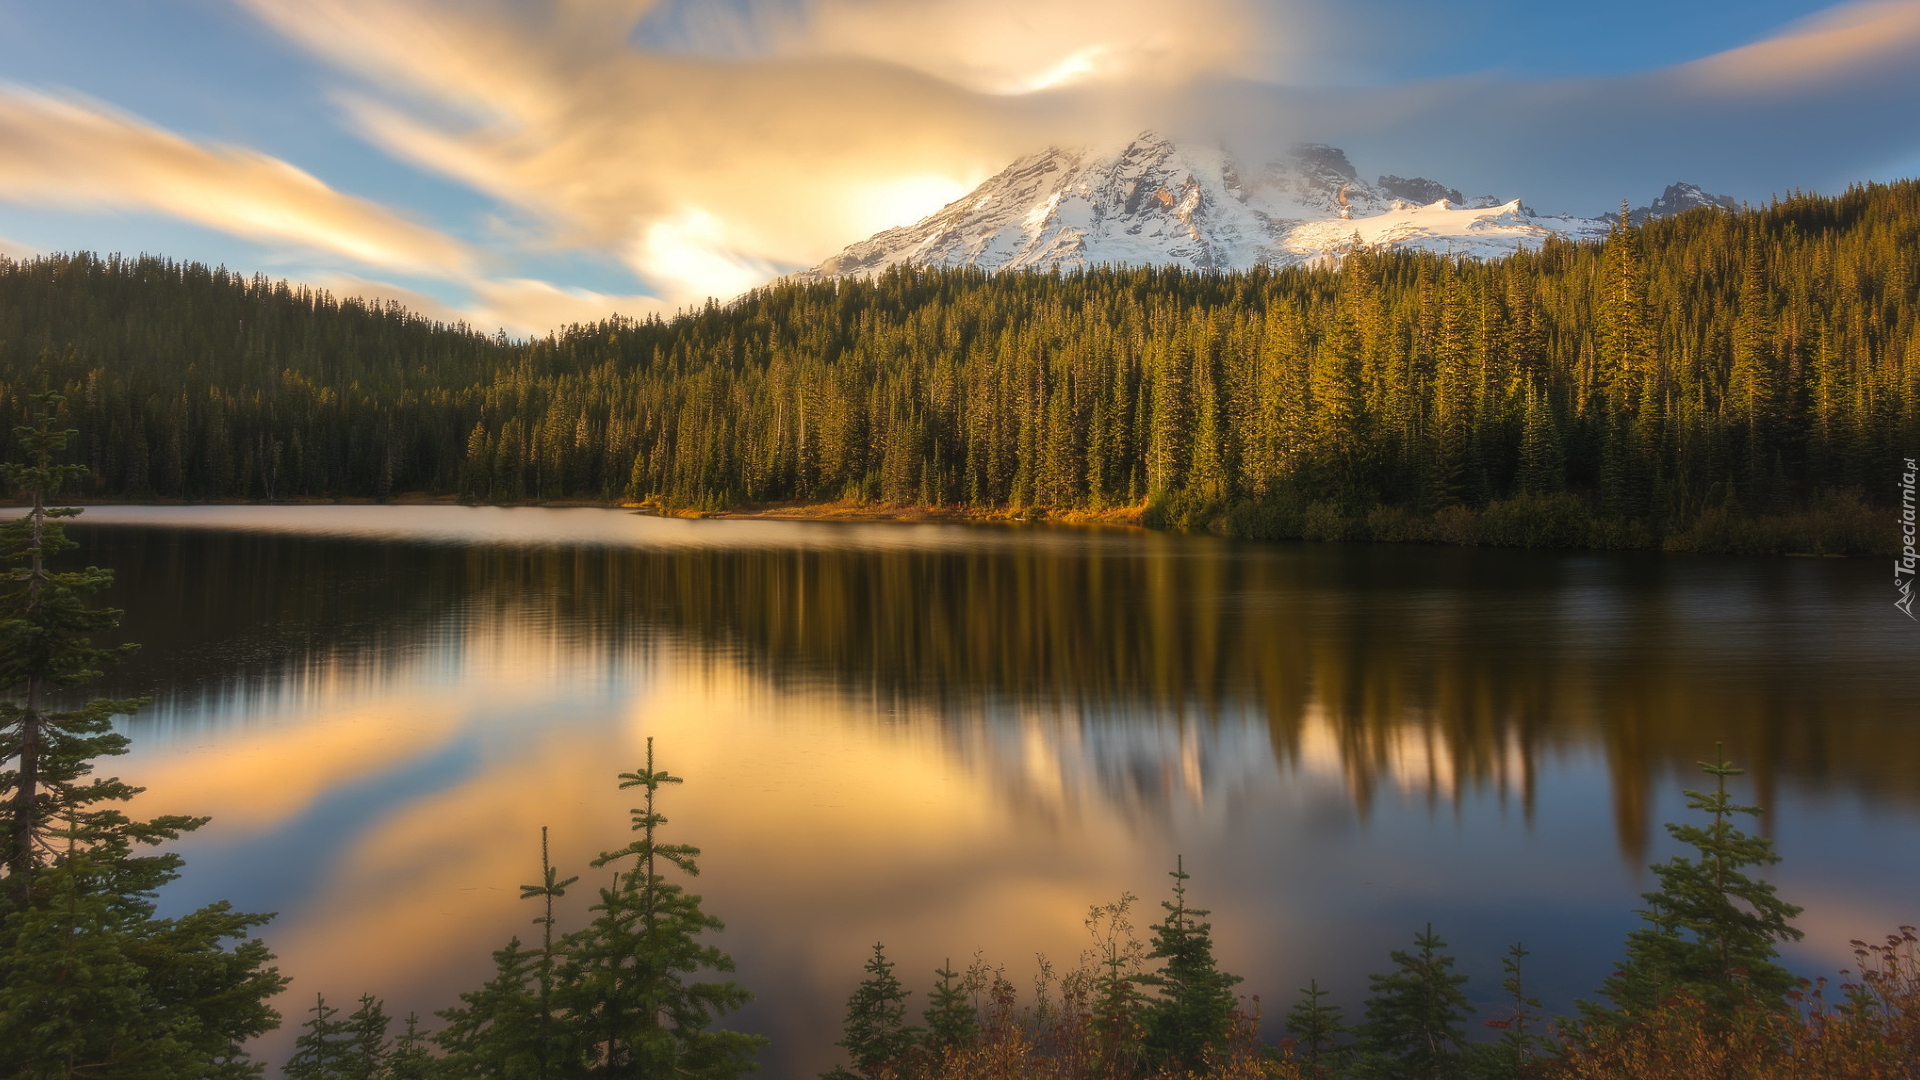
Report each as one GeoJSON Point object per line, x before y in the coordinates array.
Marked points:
{"type": "Point", "coordinates": [16, 251]}
{"type": "Point", "coordinates": [71, 153]}
{"type": "Point", "coordinates": [697, 169]}
{"type": "Point", "coordinates": [1022, 46]}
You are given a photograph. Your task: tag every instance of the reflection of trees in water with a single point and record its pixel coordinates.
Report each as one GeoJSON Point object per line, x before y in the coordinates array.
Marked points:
{"type": "Point", "coordinates": [1433, 670]}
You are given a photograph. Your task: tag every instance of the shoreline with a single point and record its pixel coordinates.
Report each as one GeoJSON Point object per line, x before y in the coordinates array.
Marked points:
{"type": "Point", "coordinates": [1439, 530]}
{"type": "Point", "coordinates": [843, 510]}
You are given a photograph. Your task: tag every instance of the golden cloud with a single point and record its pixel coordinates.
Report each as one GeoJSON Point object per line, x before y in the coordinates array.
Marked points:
{"type": "Point", "coordinates": [707, 174]}
{"type": "Point", "coordinates": [67, 152]}
{"type": "Point", "coordinates": [1836, 44]}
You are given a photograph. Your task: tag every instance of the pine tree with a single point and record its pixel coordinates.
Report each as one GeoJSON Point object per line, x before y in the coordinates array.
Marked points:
{"type": "Point", "coordinates": [1508, 1058]}
{"type": "Point", "coordinates": [409, 1059]}
{"type": "Point", "coordinates": [324, 1049]}
{"type": "Point", "coordinates": [493, 1034]}
{"type": "Point", "coordinates": [1415, 1013]}
{"type": "Point", "coordinates": [549, 1044]}
{"type": "Point", "coordinates": [876, 1036]}
{"type": "Point", "coordinates": [89, 978]}
{"type": "Point", "coordinates": [1193, 1013]}
{"type": "Point", "coordinates": [511, 1027]}
{"type": "Point", "coordinates": [625, 985]}
{"type": "Point", "coordinates": [1316, 1028]}
{"type": "Point", "coordinates": [952, 1021]}
{"type": "Point", "coordinates": [1711, 931]}
{"type": "Point", "coordinates": [368, 1049]}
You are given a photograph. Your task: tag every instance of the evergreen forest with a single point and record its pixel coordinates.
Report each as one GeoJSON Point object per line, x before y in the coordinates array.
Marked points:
{"type": "Point", "coordinates": [1737, 381]}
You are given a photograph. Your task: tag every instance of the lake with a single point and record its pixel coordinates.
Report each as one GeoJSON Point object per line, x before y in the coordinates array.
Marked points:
{"type": "Point", "coordinates": [954, 739]}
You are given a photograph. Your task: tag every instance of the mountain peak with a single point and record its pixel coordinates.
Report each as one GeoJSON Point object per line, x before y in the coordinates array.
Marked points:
{"type": "Point", "coordinates": [1153, 202]}
{"type": "Point", "coordinates": [1678, 199]}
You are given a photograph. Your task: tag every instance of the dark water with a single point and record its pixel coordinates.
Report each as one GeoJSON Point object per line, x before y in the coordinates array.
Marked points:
{"type": "Point", "coordinates": [955, 739]}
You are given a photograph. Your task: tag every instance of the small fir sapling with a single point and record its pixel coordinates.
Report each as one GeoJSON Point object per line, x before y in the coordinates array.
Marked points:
{"type": "Point", "coordinates": [1415, 1016]}
{"type": "Point", "coordinates": [1710, 930]}
{"type": "Point", "coordinates": [876, 1036]}
{"type": "Point", "coordinates": [952, 1022]}
{"type": "Point", "coordinates": [1315, 1028]}
{"type": "Point", "coordinates": [1192, 1016]}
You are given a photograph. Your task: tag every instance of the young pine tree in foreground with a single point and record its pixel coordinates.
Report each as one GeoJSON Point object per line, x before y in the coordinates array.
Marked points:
{"type": "Point", "coordinates": [1415, 1016]}
{"type": "Point", "coordinates": [952, 1022]}
{"type": "Point", "coordinates": [91, 983]}
{"type": "Point", "coordinates": [1518, 1046]}
{"type": "Point", "coordinates": [1711, 930]}
{"type": "Point", "coordinates": [629, 985]}
{"type": "Point", "coordinates": [1315, 1028]}
{"type": "Point", "coordinates": [618, 998]}
{"type": "Point", "coordinates": [1193, 1015]}
{"type": "Point", "coordinates": [877, 1037]}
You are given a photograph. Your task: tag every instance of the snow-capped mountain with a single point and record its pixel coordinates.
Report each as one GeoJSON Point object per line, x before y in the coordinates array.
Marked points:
{"type": "Point", "coordinates": [1154, 203]}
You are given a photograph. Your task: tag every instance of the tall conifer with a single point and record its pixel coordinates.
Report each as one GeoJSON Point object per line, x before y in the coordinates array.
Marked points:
{"type": "Point", "coordinates": [90, 979]}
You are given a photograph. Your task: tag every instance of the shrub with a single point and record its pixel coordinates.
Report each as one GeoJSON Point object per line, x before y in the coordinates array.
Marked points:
{"type": "Point", "coordinates": [1537, 521]}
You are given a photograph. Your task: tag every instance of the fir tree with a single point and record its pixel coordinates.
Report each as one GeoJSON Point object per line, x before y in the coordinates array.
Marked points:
{"type": "Point", "coordinates": [410, 1059]}
{"type": "Point", "coordinates": [1508, 1058]}
{"type": "Point", "coordinates": [368, 1048]}
{"type": "Point", "coordinates": [1711, 930]}
{"type": "Point", "coordinates": [876, 1036]}
{"type": "Point", "coordinates": [550, 1046]}
{"type": "Point", "coordinates": [1316, 1028]}
{"type": "Point", "coordinates": [324, 1049]}
{"type": "Point", "coordinates": [493, 1033]}
{"type": "Point", "coordinates": [626, 985]}
{"type": "Point", "coordinates": [1193, 1013]}
{"type": "Point", "coordinates": [1415, 1013]}
{"type": "Point", "coordinates": [510, 1026]}
{"type": "Point", "coordinates": [952, 1021]}
{"type": "Point", "coordinates": [90, 980]}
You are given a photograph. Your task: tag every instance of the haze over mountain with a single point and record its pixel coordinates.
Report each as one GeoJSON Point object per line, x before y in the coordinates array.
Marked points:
{"type": "Point", "coordinates": [1151, 202]}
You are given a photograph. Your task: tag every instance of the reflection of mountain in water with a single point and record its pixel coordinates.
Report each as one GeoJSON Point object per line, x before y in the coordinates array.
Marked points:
{"type": "Point", "coordinates": [1151, 670]}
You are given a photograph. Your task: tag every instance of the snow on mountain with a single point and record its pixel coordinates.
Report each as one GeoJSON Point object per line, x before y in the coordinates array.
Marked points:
{"type": "Point", "coordinates": [1152, 203]}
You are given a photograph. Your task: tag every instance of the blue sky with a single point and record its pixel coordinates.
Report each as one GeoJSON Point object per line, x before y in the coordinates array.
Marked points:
{"type": "Point", "coordinates": [526, 164]}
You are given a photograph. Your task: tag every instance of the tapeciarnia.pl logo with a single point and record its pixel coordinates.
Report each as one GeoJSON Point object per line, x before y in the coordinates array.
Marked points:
{"type": "Point", "coordinates": [1903, 565]}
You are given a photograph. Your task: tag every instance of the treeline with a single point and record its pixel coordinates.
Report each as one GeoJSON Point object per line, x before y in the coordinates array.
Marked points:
{"type": "Point", "coordinates": [1742, 364]}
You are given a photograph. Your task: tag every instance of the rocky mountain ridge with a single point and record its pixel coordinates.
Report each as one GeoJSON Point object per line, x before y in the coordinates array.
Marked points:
{"type": "Point", "coordinates": [1154, 203]}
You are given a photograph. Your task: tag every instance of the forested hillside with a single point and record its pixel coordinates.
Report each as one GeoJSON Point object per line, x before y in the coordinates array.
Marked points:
{"type": "Point", "coordinates": [1708, 367]}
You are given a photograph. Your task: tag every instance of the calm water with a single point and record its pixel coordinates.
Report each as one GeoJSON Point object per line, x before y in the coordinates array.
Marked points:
{"type": "Point", "coordinates": [954, 739]}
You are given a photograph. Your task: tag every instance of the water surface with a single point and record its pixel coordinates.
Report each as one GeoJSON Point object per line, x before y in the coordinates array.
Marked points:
{"type": "Point", "coordinates": [954, 739]}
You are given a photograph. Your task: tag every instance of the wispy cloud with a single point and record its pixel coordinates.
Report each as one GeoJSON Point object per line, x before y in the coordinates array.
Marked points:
{"type": "Point", "coordinates": [751, 143]}
{"type": "Point", "coordinates": [1822, 102]}
{"type": "Point", "coordinates": [15, 250]}
{"type": "Point", "coordinates": [62, 151]}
